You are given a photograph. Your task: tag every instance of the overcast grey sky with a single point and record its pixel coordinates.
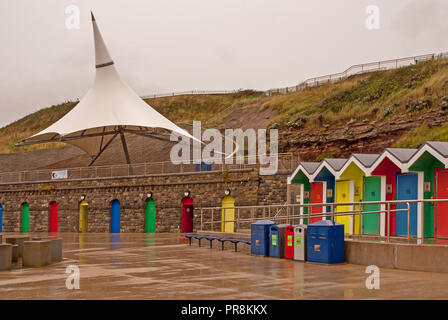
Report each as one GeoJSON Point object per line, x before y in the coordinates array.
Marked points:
{"type": "Point", "coordinates": [173, 45]}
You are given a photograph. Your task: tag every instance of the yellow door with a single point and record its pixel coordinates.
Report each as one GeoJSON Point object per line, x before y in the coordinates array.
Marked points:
{"type": "Point", "coordinates": [83, 216]}
{"type": "Point", "coordinates": [343, 196]}
{"type": "Point", "coordinates": [228, 213]}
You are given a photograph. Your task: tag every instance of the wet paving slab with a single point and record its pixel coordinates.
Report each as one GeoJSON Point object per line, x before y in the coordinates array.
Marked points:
{"type": "Point", "coordinates": [163, 266]}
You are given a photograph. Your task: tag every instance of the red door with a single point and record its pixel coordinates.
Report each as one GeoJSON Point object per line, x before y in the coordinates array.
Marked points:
{"type": "Point", "coordinates": [441, 216]}
{"type": "Point", "coordinates": [317, 192]}
{"type": "Point", "coordinates": [53, 217]}
{"type": "Point", "coordinates": [187, 215]}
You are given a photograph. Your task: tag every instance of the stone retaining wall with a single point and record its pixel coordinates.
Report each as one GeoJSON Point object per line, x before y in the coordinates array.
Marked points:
{"type": "Point", "coordinates": [207, 189]}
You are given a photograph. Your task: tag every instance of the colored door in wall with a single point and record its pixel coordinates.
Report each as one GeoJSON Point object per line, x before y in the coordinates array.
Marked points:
{"type": "Point", "coordinates": [115, 217]}
{"type": "Point", "coordinates": [53, 224]}
{"type": "Point", "coordinates": [372, 192]}
{"type": "Point", "coordinates": [441, 217]}
{"type": "Point", "coordinates": [1, 218]}
{"type": "Point", "coordinates": [25, 217]}
{"type": "Point", "coordinates": [228, 213]}
{"type": "Point", "coordinates": [187, 215]}
{"type": "Point", "coordinates": [83, 208]}
{"type": "Point", "coordinates": [343, 196]}
{"type": "Point", "coordinates": [150, 216]}
{"type": "Point", "coordinates": [407, 189]}
{"type": "Point", "coordinates": [317, 196]}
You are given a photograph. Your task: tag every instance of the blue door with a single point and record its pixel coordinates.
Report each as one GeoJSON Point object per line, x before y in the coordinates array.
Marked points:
{"type": "Point", "coordinates": [406, 190]}
{"type": "Point", "coordinates": [115, 217]}
{"type": "Point", "coordinates": [1, 218]}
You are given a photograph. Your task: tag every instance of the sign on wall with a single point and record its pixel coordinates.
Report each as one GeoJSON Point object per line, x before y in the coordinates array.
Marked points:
{"type": "Point", "coordinates": [60, 174]}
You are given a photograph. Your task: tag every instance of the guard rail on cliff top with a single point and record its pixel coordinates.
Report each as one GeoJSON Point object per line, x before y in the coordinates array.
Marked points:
{"type": "Point", "coordinates": [287, 162]}
{"type": "Point", "coordinates": [357, 70]}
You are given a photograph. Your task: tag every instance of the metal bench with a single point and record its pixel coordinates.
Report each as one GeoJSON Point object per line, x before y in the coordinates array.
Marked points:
{"type": "Point", "coordinates": [196, 236]}
{"type": "Point", "coordinates": [190, 236]}
{"type": "Point", "coordinates": [211, 238]}
{"type": "Point", "coordinates": [199, 237]}
{"type": "Point", "coordinates": [234, 241]}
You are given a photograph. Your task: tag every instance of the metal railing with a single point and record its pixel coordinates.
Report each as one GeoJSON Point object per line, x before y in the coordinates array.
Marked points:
{"type": "Point", "coordinates": [244, 216]}
{"type": "Point", "coordinates": [286, 163]}
{"type": "Point", "coordinates": [191, 92]}
{"type": "Point", "coordinates": [357, 70]}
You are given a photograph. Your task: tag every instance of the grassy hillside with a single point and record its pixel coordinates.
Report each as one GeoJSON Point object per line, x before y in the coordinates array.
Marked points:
{"type": "Point", "coordinates": [371, 98]}
{"type": "Point", "coordinates": [378, 96]}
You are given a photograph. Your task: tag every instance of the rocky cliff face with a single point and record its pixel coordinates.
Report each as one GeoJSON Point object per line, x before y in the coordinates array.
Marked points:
{"type": "Point", "coordinates": [357, 137]}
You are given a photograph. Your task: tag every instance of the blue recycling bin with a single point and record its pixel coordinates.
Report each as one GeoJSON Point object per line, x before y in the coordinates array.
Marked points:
{"type": "Point", "coordinates": [260, 237]}
{"type": "Point", "coordinates": [325, 242]}
{"type": "Point", "coordinates": [277, 240]}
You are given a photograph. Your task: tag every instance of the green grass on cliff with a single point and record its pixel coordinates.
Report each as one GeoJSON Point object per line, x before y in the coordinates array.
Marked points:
{"type": "Point", "coordinates": [417, 137]}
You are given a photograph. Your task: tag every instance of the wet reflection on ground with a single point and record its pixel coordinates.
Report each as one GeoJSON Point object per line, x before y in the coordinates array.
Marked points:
{"type": "Point", "coordinates": [163, 266]}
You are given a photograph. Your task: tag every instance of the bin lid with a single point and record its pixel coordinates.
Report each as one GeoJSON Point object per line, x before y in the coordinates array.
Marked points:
{"type": "Point", "coordinates": [279, 226]}
{"type": "Point", "coordinates": [326, 223]}
{"type": "Point", "coordinates": [300, 226]}
{"type": "Point", "coordinates": [264, 222]}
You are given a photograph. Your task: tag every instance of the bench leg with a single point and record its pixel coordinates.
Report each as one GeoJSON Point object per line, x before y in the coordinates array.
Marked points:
{"type": "Point", "coordinates": [189, 241]}
{"type": "Point", "coordinates": [199, 242]}
{"type": "Point", "coordinates": [211, 244]}
{"type": "Point", "coordinates": [236, 244]}
{"type": "Point", "coordinates": [222, 245]}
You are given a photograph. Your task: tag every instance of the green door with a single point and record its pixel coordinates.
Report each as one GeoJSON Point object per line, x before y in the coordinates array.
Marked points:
{"type": "Point", "coordinates": [25, 217]}
{"type": "Point", "coordinates": [150, 216]}
{"type": "Point", "coordinates": [372, 192]}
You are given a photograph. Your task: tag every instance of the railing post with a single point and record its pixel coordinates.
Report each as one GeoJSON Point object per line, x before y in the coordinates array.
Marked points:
{"type": "Point", "coordinates": [201, 219]}
{"type": "Point", "coordinates": [409, 222]}
{"type": "Point", "coordinates": [309, 214]}
{"type": "Point", "coordinates": [360, 218]}
{"type": "Point", "coordinates": [423, 218]}
{"type": "Point", "coordinates": [211, 225]}
{"type": "Point", "coordinates": [238, 222]}
{"type": "Point", "coordinates": [388, 222]}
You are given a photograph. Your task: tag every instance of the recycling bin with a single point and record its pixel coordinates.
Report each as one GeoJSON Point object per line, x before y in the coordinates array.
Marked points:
{"type": "Point", "coordinates": [325, 242]}
{"type": "Point", "coordinates": [277, 240]}
{"type": "Point", "coordinates": [260, 237]}
{"type": "Point", "coordinates": [300, 242]}
{"type": "Point", "coordinates": [289, 242]}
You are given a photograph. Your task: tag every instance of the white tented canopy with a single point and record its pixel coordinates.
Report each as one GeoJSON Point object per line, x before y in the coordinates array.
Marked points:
{"type": "Point", "coordinates": [109, 108]}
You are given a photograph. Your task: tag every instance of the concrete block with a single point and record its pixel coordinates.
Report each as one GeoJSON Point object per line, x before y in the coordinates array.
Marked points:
{"type": "Point", "coordinates": [15, 252]}
{"type": "Point", "coordinates": [427, 258]}
{"type": "Point", "coordinates": [56, 247]}
{"type": "Point", "coordinates": [17, 240]}
{"type": "Point", "coordinates": [5, 256]}
{"type": "Point", "coordinates": [369, 253]}
{"type": "Point", "coordinates": [36, 253]}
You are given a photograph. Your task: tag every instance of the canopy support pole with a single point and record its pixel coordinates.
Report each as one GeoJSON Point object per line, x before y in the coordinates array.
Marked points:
{"type": "Point", "coordinates": [126, 152]}
{"type": "Point", "coordinates": [102, 149]}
